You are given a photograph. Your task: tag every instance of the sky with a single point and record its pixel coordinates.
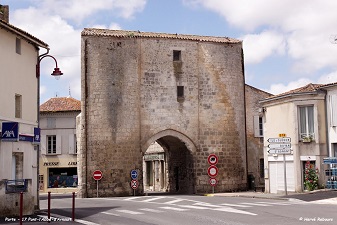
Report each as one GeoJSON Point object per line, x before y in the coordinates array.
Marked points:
{"type": "Point", "coordinates": [286, 44]}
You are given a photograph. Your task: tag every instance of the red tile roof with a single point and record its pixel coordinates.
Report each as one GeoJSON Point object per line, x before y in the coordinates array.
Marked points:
{"type": "Point", "coordinates": [141, 34]}
{"type": "Point", "coordinates": [61, 104]}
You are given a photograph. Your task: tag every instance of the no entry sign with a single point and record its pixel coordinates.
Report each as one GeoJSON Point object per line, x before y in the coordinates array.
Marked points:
{"type": "Point", "coordinates": [212, 171]}
{"type": "Point", "coordinates": [97, 175]}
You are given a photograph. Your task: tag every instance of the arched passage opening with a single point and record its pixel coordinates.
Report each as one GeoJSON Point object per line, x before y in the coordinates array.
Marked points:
{"type": "Point", "coordinates": [168, 164]}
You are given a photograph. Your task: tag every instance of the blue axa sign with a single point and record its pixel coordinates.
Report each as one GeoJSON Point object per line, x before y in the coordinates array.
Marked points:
{"type": "Point", "coordinates": [10, 131]}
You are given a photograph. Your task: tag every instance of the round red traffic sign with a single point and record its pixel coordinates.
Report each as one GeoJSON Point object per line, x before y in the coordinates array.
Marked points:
{"type": "Point", "coordinates": [213, 181]}
{"type": "Point", "coordinates": [212, 171]}
{"type": "Point", "coordinates": [97, 175]}
{"type": "Point", "coordinates": [134, 184]}
{"type": "Point", "coordinates": [212, 159]}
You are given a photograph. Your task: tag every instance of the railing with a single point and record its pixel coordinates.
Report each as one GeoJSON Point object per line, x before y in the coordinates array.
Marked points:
{"type": "Point", "coordinates": [307, 137]}
{"type": "Point", "coordinates": [15, 186]}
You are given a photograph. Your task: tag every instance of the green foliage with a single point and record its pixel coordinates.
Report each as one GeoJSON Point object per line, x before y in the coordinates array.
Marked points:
{"type": "Point", "coordinates": [310, 177]}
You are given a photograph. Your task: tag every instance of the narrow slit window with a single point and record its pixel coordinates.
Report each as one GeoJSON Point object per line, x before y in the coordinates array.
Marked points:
{"type": "Point", "coordinates": [176, 55]}
{"type": "Point", "coordinates": [18, 46]}
{"type": "Point", "coordinates": [180, 91]}
{"type": "Point", "coordinates": [18, 106]}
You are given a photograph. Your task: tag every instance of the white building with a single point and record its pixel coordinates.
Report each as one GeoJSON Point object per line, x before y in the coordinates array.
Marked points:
{"type": "Point", "coordinates": [301, 115]}
{"type": "Point", "coordinates": [19, 88]}
{"type": "Point", "coordinates": [58, 159]}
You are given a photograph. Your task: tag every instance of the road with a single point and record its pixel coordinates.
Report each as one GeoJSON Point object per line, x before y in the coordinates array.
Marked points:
{"type": "Point", "coordinates": [189, 210]}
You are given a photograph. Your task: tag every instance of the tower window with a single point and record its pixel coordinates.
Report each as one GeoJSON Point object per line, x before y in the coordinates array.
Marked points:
{"type": "Point", "coordinates": [176, 55]}
{"type": "Point", "coordinates": [180, 92]}
{"type": "Point", "coordinates": [18, 46]}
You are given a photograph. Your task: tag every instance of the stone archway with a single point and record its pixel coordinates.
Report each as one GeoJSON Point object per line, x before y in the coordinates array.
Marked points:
{"type": "Point", "coordinates": [176, 171]}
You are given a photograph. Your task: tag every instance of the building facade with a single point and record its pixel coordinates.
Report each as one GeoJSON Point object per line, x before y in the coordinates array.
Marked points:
{"type": "Point", "coordinates": [185, 92]}
{"type": "Point", "coordinates": [19, 88]}
{"type": "Point", "coordinates": [300, 115]}
{"type": "Point", "coordinates": [58, 158]}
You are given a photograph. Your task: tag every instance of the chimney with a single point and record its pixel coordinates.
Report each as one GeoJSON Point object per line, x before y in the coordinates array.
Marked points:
{"type": "Point", "coordinates": [4, 13]}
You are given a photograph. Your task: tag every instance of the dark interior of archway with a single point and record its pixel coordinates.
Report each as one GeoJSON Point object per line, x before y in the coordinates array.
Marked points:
{"type": "Point", "coordinates": [179, 164]}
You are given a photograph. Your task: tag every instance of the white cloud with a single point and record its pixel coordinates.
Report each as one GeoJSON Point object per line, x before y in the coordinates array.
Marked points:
{"type": "Point", "coordinates": [257, 47]}
{"type": "Point", "coordinates": [78, 10]}
{"type": "Point", "coordinates": [112, 26]}
{"type": "Point", "coordinates": [281, 88]}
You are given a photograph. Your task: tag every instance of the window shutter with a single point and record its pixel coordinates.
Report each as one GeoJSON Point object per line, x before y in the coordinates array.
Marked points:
{"type": "Point", "coordinates": [43, 144]}
{"type": "Point", "coordinates": [256, 127]}
{"type": "Point", "coordinates": [58, 144]}
{"type": "Point", "coordinates": [71, 144]}
{"type": "Point", "coordinates": [333, 110]}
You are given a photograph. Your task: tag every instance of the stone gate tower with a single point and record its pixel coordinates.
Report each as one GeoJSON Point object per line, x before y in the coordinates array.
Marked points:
{"type": "Point", "coordinates": [184, 91]}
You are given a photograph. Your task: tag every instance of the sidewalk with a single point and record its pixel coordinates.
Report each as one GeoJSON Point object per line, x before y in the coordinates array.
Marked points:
{"type": "Point", "coordinates": [317, 195]}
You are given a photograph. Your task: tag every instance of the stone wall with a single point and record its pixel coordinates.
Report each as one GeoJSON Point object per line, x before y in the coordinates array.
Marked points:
{"type": "Point", "coordinates": [129, 95]}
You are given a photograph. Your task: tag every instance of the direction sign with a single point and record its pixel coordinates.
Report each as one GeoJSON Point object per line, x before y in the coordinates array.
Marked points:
{"type": "Point", "coordinates": [330, 160]}
{"type": "Point", "coordinates": [213, 181]}
{"type": "Point", "coordinates": [279, 145]}
{"type": "Point", "coordinates": [279, 151]}
{"type": "Point", "coordinates": [212, 159]}
{"type": "Point", "coordinates": [97, 175]}
{"type": "Point", "coordinates": [212, 171]}
{"type": "Point", "coordinates": [279, 140]}
{"type": "Point", "coordinates": [134, 174]}
{"type": "Point", "coordinates": [134, 184]}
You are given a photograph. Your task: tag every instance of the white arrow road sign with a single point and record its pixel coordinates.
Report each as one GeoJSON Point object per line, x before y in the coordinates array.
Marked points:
{"type": "Point", "coordinates": [278, 140]}
{"type": "Point", "coordinates": [279, 145]}
{"type": "Point", "coordinates": [279, 151]}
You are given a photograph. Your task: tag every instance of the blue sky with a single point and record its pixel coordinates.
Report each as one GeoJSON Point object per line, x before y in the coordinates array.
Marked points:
{"type": "Point", "coordinates": [287, 44]}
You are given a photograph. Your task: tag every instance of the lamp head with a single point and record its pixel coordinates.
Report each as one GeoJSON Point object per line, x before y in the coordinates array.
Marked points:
{"type": "Point", "coordinates": [57, 73]}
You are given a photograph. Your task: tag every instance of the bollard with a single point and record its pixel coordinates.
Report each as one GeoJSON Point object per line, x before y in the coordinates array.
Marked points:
{"type": "Point", "coordinates": [21, 206]}
{"type": "Point", "coordinates": [48, 206]}
{"type": "Point", "coordinates": [73, 212]}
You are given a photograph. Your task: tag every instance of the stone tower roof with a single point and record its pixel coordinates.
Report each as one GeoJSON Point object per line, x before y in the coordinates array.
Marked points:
{"type": "Point", "coordinates": [61, 104]}
{"type": "Point", "coordinates": [140, 34]}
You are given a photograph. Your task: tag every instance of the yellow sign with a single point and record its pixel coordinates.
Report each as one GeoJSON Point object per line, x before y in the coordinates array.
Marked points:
{"type": "Point", "coordinates": [282, 135]}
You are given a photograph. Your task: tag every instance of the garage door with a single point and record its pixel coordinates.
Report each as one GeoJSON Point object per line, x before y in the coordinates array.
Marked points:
{"type": "Point", "coordinates": [276, 178]}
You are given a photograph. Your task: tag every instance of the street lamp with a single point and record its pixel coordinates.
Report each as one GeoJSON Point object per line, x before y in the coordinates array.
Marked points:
{"type": "Point", "coordinates": [56, 73]}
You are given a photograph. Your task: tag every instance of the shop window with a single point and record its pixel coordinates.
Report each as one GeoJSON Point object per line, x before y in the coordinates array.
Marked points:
{"type": "Point", "coordinates": [62, 177]}
{"type": "Point", "coordinates": [176, 55]}
{"type": "Point", "coordinates": [18, 106]}
{"type": "Point", "coordinates": [18, 46]}
{"type": "Point", "coordinates": [51, 144]}
{"type": "Point", "coordinates": [306, 119]}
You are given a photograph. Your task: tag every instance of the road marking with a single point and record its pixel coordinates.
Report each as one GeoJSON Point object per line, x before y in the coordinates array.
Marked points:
{"type": "Point", "coordinates": [193, 207]}
{"type": "Point", "coordinates": [151, 210]}
{"type": "Point", "coordinates": [255, 204]}
{"type": "Point", "coordinates": [109, 213]}
{"type": "Point", "coordinates": [132, 198]}
{"type": "Point", "coordinates": [207, 204]}
{"type": "Point", "coordinates": [232, 210]}
{"type": "Point", "coordinates": [174, 201]}
{"type": "Point", "coordinates": [274, 203]}
{"type": "Point", "coordinates": [129, 212]}
{"type": "Point", "coordinates": [173, 208]}
{"type": "Point", "coordinates": [86, 222]}
{"type": "Point", "coordinates": [152, 199]}
{"type": "Point", "coordinates": [243, 206]}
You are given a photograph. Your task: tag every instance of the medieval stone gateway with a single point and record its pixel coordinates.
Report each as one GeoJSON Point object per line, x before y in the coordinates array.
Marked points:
{"type": "Point", "coordinates": [185, 92]}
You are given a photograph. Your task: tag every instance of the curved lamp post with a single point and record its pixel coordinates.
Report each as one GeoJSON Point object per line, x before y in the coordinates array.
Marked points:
{"type": "Point", "coordinates": [56, 73]}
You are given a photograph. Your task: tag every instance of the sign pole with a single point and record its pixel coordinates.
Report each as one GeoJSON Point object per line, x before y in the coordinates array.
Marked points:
{"type": "Point", "coordinates": [213, 189]}
{"type": "Point", "coordinates": [285, 174]}
{"type": "Point", "coordinates": [97, 188]}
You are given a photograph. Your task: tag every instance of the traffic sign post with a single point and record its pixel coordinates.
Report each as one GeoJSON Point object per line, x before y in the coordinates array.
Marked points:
{"type": "Point", "coordinates": [212, 171]}
{"type": "Point", "coordinates": [97, 175]}
{"type": "Point", "coordinates": [281, 146]}
{"type": "Point", "coordinates": [134, 185]}
{"type": "Point", "coordinates": [134, 174]}
{"type": "Point", "coordinates": [212, 159]}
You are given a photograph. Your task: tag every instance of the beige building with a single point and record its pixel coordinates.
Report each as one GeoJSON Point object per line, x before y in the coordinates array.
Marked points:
{"type": "Point", "coordinates": [58, 159]}
{"type": "Point", "coordinates": [19, 97]}
{"type": "Point", "coordinates": [299, 114]}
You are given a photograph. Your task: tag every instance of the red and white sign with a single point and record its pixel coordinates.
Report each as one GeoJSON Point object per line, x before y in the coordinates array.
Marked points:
{"type": "Point", "coordinates": [97, 175]}
{"type": "Point", "coordinates": [213, 181]}
{"type": "Point", "coordinates": [134, 184]}
{"type": "Point", "coordinates": [212, 159]}
{"type": "Point", "coordinates": [212, 171]}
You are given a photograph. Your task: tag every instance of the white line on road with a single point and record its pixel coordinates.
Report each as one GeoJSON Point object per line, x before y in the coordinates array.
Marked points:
{"type": "Point", "coordinates": [129, 212]}
{"type": "Point", "coordinates": [109, 213]}
{"type": "Point", "coordinates": [193, 207]}
{"type": "Point", "coordinates": [235, 205]}
{"type": "Point", "coordinates": [173, 208]}
{"type": "Point", "coordinates": [152, 199]}
{"type": "Point", "coordinates": [174, 201]}
{"type": "Point", "coordinates": [132, 198]}
{"type": "Point", "coordinates": [232, 210]}
{"type": "Point", "coordinates": [86, 222]}
{"type": "Point", "coordinates": [151, 210]}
